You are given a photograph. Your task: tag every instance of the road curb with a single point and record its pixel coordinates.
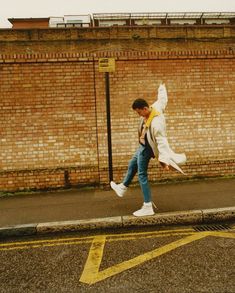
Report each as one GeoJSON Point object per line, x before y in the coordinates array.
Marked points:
{"type": "Point", "coordinates": [79, 225]}
{"type": "Point", "coordinates": [162, 219]}
{"type": "Point", "coordinates": [18, 230]}
{"type": "Point", "coordinates": [192, 217]}
{"type": "Point", "coordinates": [221, 214]}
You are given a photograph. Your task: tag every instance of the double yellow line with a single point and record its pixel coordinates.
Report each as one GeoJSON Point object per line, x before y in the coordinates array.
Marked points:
{"type": "Point", "coordinates": [89, 239]}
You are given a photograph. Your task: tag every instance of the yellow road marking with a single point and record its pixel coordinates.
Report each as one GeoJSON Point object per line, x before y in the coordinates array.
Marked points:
{"type": "Point", "coordinates": [137, 234]}
{"type": "Point", "coordinates": [89, 239]}
{"type": "Point", "coordinates": [149, 236]}
{"type": "Point", "coordinates": [29, 245]}
{"type": "Point", "coordinates": [224, 234]}
{"type": "Point", "coordinates": [152, 232]}
{"type": "Point", "coordinates": [45, 245]}
{"type": "Point", "coordinates": [91, 273]}
{"type": "Point", "coordinates": [46, 241]}
{"type": "Point", "coordinates": [109, 238]}
{"type": "Point", "coordinates": [91, 269]}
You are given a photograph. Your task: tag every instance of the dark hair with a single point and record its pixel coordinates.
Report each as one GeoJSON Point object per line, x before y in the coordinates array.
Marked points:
{"type": "Point", "coordinates": [139, 104]}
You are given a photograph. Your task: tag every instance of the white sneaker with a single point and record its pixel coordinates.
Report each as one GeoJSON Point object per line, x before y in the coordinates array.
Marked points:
{"type": "Point", "coordinates": [120, 189]}
{"type": "Point", "coordinates": [146, 210]}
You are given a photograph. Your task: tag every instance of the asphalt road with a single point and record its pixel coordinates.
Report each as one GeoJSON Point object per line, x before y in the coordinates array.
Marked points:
{"type": "Point", "coordinates": [170, 260]}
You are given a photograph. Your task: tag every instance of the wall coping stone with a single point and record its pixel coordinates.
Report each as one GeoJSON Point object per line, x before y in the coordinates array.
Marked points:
{"type": "Point", "coordinates": [118, 55]}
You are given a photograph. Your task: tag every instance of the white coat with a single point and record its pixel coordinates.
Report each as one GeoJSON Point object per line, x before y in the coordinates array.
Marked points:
{"type": "Point", "coordinates": [156, 134]}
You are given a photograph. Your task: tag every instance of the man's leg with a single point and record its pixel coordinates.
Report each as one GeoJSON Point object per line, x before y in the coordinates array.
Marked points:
{"type": "Point", "coordinates": [121, 188]}
{"type": "Point", "coordinates": [143, 161]}
{"type": "Point", "coordinates": [132, 169]}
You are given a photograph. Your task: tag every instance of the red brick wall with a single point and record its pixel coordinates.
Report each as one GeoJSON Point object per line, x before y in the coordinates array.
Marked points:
{"type": "Point", "coordinates": [53, 115]}
{"type": "Point", "coordinates": [48, 124]}
{"type": "Point", "coordinates": [200, 115]}
{"type": "Point", "coordinates": [29, 23]}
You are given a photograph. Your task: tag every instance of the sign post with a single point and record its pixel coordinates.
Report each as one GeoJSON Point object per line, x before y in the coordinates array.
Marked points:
{"type": "Point", "coordinates": [107, 65]}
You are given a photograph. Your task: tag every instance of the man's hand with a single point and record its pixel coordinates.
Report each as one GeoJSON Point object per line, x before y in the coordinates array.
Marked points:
{"type": "Point", "coordinates": [165, 166]}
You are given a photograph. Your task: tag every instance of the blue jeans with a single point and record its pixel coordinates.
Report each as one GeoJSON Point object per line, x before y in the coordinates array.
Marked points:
{"type": "Point", "coordinates": [139, 163]}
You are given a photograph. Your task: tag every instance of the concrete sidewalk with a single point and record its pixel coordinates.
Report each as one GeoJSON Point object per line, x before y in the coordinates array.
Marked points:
{"type": "Point", "coordinates": [190, 202]}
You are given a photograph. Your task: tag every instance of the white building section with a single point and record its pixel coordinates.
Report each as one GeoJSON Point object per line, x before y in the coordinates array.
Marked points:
{"type": "Point", "coordinates": [140, 19]}
{"type": "Point", "coordinates": [71, 21]}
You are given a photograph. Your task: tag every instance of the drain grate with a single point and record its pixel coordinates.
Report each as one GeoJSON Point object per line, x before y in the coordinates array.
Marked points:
{"type": "Point", "coordinates": [200, 228]}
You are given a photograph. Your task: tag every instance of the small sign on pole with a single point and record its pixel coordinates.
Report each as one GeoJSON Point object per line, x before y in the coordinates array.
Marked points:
{"type": "Point", "coordinates": [106, 64]}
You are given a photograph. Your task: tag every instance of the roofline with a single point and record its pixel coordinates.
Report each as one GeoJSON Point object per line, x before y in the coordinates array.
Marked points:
{"type": "Point", "coordinates": [28, 19]}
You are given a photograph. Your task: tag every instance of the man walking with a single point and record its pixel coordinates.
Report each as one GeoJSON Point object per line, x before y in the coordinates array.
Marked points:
{"type": "Point", "coordinates": [152, 143]}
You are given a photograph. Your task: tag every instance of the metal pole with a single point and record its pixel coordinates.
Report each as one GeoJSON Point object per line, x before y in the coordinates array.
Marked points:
{"type": "Point", "coordinates": [109, 125]}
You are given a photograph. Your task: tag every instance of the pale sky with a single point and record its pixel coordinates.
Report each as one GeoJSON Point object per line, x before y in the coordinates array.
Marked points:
{"type": "Point", "coordinates": [47, 8]}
